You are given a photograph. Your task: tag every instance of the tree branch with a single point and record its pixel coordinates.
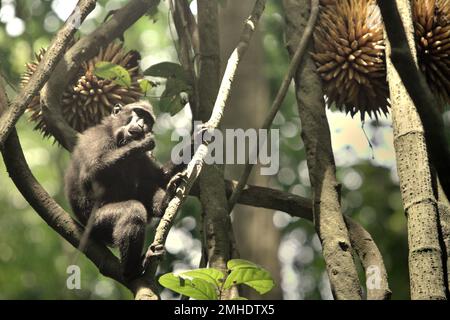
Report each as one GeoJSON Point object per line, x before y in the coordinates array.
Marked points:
{"type": "Point", "coordinates": [187, 30]}
{"type": "Point", "coordinates": [44, 69]}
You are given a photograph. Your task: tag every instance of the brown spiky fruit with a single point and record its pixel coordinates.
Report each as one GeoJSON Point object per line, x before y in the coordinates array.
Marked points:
{"type": "Point", "coordinates": [350, 58]}
{"type": "Point", "coordinates": [432, 33]}
{"type": "Point", "coordinates": [89, 98]}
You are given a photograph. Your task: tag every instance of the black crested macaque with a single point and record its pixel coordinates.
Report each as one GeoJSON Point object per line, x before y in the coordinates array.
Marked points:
{"type": "Point", "coordinates": [114, 180]}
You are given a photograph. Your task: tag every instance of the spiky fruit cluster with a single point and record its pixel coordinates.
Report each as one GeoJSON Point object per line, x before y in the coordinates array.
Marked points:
{"type": "Point", "coordinates": [432, 33]}
{"type": "Point", "coordinates": [349, 54]}
{"type": "Point", "coordinates": [89, 98]}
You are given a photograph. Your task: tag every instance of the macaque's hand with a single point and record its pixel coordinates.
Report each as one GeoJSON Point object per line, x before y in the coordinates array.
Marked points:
{"type": "Point", "coordinates": [147, 143]}
{"type": "Point", "coordinates": [175, 182]}
{"type": "Point", "coordinates": [152, 253]}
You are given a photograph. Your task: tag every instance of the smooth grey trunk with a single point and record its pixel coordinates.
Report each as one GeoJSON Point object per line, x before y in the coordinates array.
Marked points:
{"type": "Point", "coordinates": [425, 255]}
{"type": "Point", "coordinates": [328, 219]}
{"type": "Point", "coordinates": [217, 224]}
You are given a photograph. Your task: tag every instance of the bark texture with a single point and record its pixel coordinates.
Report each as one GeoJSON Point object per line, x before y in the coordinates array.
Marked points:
{"type": "Point", "coordinates": [425, 260]}
{"type": "Point", "coordinates": [444, 224]}
{"type": "Point", "coordinates": [328, 219]}
{"type": "Point", "coordinates": [212, 185]}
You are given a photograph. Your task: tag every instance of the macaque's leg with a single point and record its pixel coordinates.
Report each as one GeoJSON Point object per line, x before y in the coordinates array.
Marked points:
{"type": "Point", "coordinates": [123, 224]}
{"type": "Point", "coordinates": [161, 200]}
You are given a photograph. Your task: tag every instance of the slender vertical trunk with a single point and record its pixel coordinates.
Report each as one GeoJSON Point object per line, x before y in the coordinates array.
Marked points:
{"type": "Point", "coordinates": [425, 260]}
{"type": "Point", "coordinates": [328, 219]}
{"type": "Point", "coordinates": [212, 185]}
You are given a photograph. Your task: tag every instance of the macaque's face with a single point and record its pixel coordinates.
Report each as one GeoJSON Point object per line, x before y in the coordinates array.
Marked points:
{"type": "Point", "coordinates": [131, 122]}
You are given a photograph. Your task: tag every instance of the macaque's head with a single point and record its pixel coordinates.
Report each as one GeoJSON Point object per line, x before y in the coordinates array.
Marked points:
{"type": "Point", "coordinates": [132, 121]}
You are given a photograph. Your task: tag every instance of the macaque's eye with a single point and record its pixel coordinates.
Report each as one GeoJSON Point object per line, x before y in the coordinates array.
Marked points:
{"type": "Point", "coordinates": [117, 108]}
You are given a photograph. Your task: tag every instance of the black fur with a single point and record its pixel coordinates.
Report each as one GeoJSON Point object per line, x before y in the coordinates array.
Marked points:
{"type": "Point", "coordinates": [113, 175]}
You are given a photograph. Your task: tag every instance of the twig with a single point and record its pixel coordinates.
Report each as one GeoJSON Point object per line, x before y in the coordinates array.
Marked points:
{"type": "Point", "coordinates": [44, 69]}
{"type": "Point", "coordinates": [195, 165]}
{"type": "Point", "coordinates": [185, 31]}
{"type": "Point", "coordinates": [293, 66]}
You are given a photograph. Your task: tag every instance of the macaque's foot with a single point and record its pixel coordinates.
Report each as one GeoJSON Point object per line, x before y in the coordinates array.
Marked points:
{"type": "Point", "coordinates": [176, 181]}
{"type": "Point", "coordinates": [200, 132]}
{"type": "Point", "coordinates": [152, 253]}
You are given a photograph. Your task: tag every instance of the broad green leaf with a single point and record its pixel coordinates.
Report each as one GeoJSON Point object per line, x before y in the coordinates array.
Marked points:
{"type": "Point", "coordinates": [175, 87]}
{"type": "Point", "coordinates": [145, 85]}
{"type": "Point", "coordinates": [110, 71]}
{"type": "Point", "coordinates": [167, 70]}
{"type": "Point", "coordinates": [192, 287]}
{"type": "Point", "coordinates": [239, 298]}
{"type": "Point", "coordinates": [208, 274]}
{"type": "Point", "coordinates": [241, 263]}
{"type": "Point", "coordinates": [172, 105]}
{"type": "Point", "coordinates": [256, 278]}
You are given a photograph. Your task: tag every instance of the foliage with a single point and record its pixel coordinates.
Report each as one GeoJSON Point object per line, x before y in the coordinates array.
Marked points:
{"type": "Point", "coordinates": [209, 283]}
{"type": "Point", "coordinates": [177, 83]}
{"type": "Point", "coordinates": [111, 71]}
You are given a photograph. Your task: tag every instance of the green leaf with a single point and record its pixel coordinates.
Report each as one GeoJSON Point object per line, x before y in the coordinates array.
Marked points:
{"type": "Point", "coordinates": [211, 275]}
{"type": "Point", "coordinates": [145, 85]}
{"type": "Point", "coordinates": [167, 70]}
{"type": "Point", "coordinates": [241, 263]}
{"type": "Point", "coordinates": [172, 105]}
{"type": "Point", "coordinates": [192, 287]}
{"type": "Point", "coordinates": [175, 87]}
{"type": "Point", "coordinates": [250, 274]}
{"type": "Point", "coordinates": [110, 71]}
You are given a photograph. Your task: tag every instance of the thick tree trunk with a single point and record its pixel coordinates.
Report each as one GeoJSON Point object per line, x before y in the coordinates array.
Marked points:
{"type": "Point", "coordinates": [328, 219]}
{"type": "Point", "coordinates": [425, 260]}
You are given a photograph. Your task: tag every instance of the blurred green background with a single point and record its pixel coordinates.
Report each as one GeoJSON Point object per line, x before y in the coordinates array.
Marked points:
{"type": "Point", "coordinates": [33, 258]}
